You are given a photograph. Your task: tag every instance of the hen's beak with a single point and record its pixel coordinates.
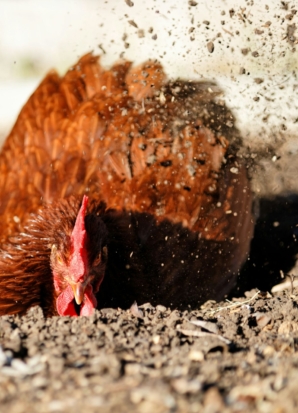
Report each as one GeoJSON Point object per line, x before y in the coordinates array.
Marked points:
{"type": "Point", "coordinates": [78, 291]}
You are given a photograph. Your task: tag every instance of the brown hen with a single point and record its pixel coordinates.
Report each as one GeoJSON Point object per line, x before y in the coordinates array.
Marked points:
{"type": "Point", "coordinates": [166, 216]}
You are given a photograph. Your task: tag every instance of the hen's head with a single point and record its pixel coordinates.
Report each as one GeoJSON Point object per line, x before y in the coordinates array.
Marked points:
{"type": "Point", "coordinates": [78, 264]}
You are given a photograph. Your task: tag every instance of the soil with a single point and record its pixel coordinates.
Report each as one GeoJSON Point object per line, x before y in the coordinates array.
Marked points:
{"type": "Point", "coordinates": [234, 356]}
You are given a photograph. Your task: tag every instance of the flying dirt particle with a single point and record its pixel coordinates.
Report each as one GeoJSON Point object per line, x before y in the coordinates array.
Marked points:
{"type": "Point", "coordinates": [244, 51]}
{"type": "Point", "coordinates": [133, 23]}
{"type": "Point", "coordinates": [210, 47]}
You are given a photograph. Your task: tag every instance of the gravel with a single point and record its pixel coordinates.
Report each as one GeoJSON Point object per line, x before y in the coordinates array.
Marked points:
{"type": "Point", "coordinates": [226, 357]}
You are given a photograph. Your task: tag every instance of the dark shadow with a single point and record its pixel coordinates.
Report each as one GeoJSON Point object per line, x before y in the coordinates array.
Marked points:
{"type": "Point", "coordinates": [164, 264]}
{"type": "Point", "coordinates": [274, 247]}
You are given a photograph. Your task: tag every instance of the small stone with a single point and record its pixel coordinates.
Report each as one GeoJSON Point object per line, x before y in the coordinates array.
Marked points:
{"type": "Point", "coordinates": [262, 319]}
{"type": "Point", "coordinates": [213, 400]}
{"type": "Point", "coordinates": [234, 170]}
{"type": "Point", "coordinates": [206, 325]}
{"type": "Point", "coordinates": [136, 311]}
{"type": "Point", "coordinates": [132, 369]}
{"type": "Point", "coordinates": [39, 382]}
{"type": "Point", "coordinates": [161, 308]}
{"type": "Point", "coordinates": [196, 355]}
{"type": "Point", "coordinates": [108, 312]}
{"type": "Point", "coordinates": [268, 351]}
{"type": "Point", "coordinates": [184, 386]}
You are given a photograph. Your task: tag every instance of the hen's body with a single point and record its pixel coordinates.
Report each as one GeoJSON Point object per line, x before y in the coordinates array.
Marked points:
{"type": "Point", "coordinates": [162, 156]}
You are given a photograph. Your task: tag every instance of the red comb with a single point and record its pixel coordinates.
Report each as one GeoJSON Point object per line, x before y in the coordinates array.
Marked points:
{"type": "Point", "coordinates": [78, 260]}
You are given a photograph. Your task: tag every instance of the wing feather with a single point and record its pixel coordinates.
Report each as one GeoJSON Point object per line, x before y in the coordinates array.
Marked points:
{"type": "Point", "coordinates": [127, 137]}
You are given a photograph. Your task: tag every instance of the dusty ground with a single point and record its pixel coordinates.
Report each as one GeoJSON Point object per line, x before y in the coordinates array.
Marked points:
{"type": "Point", "coordinates": [239, 358]}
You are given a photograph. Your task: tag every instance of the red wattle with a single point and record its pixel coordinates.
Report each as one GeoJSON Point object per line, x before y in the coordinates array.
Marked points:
{"type": "Point", "coordinates": [65, 303]}
{"type": "Point", "coordinates": [89, 303]}
{"type": "Point", "coordinates": [66, 306]}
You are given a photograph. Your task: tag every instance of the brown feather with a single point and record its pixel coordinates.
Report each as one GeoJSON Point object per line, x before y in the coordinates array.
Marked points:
{"type": "Point", "coordinates": [157, 152]}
